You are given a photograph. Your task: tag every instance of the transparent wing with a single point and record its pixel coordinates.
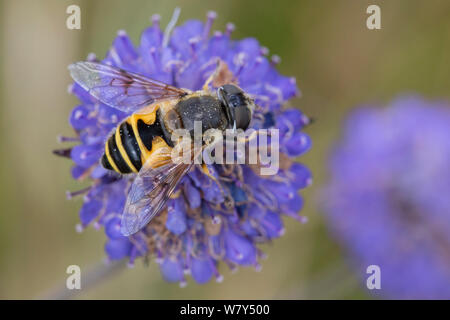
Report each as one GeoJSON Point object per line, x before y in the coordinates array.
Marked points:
{"type": "Point", "coordinates": [151, 189]}
{"type": "Point", "coordinates": [120, 89]}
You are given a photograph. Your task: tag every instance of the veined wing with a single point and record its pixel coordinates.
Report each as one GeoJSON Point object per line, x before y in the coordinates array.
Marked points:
{"type": "Point", "coordinates": [151, 189]}
{"type": "Point", "coordinates": [120, 89]}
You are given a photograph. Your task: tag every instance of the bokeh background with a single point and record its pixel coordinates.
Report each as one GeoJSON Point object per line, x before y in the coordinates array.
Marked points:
{"type": "Point", "coordinates": [337, 61]}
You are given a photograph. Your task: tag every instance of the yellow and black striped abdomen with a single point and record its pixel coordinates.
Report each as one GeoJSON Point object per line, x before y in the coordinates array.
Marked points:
{"type": "Point", "coordinates": [132, 143]}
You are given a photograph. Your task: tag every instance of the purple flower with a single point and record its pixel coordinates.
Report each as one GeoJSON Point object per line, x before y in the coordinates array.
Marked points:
{"type": "Point", "coordinates": [388, 199]}
{"type": "Point", "coordinates": [205, 222]}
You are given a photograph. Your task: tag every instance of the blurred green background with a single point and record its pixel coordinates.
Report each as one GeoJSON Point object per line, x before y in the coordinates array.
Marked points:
{"type": "Point", "coordinates": [338, 64]}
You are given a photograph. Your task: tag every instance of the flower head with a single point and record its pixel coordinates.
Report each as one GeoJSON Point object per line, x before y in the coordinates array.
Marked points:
{"type": "Point", "coordinates": [387, 200]}
{"type": "Point", "coordinates": [206, 220]}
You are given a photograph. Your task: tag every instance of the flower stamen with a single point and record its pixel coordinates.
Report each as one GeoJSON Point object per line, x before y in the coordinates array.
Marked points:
{"type": "Point", "coordinates": [211, 16]}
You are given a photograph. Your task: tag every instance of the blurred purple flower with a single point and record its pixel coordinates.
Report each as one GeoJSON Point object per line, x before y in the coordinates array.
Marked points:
{"type": "Point", "coordinates": [388, 199]}
{"type": "Point", "coordinates": [200, 227]}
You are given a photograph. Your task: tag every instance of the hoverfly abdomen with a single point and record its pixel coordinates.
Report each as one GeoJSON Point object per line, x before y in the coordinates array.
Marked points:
{"type": "Point", "coordinates": [148, 132]}
{"type": "Point", "coordinates": [122, 153]}
{"type": "Point", "coordinates": [113, 157]}
{"type": "Point", "coordinates": [105, 162]}
{"type": "Point", "coordinates": [132, 142]}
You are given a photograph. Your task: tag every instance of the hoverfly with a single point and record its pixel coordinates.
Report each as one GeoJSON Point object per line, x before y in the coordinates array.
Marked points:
{"type": "Point", "coordinates": [142, 143]}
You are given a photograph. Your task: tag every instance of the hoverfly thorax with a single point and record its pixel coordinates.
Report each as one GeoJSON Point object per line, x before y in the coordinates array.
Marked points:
{"type": "Point", "coordinates": [238, 106]}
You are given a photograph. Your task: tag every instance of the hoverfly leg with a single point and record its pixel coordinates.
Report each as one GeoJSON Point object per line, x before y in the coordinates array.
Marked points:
{"type": "Point", "coordinates": [209, 81]}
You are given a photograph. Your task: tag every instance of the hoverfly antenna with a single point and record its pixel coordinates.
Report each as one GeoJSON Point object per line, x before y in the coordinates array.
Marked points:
{"type": "Point", "coordinates": [170, 26]}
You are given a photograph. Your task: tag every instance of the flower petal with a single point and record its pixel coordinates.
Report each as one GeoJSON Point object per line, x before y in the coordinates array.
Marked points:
{"type": "Point", "coordinates": [176, 216]}
{"type": "Point", "coordinates": [118, 248]}
{"type": "Point", "coordinates": [202, 269]}
{"type": "Point", "coordinates": [171, 269]}
{"type": "Point", "coordinates": [239, 249]}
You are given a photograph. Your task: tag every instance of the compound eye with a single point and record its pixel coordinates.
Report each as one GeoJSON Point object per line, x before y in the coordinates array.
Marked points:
{"type": "Point", "coordinates": [231, 89]}
{"type": "Point", "coordinates": [235, 101]}
{"type": "Point", "coordinates": [242, 116]}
